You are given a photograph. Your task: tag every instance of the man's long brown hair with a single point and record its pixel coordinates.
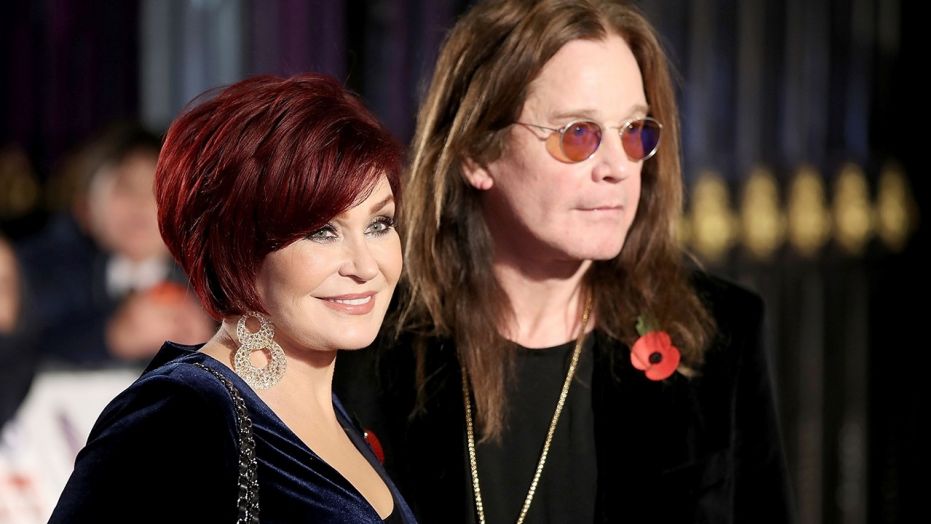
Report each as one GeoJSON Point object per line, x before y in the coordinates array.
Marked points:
{"type": "Point", "coordinates": [481, 81]}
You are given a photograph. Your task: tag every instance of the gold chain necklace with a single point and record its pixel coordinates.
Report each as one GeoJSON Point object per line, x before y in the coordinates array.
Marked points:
{"type": "Point", "coordinates": [470, 432]}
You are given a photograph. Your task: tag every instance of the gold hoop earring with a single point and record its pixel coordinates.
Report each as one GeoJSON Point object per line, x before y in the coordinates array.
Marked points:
{"type": "Point", "coordinates": [258, 378]}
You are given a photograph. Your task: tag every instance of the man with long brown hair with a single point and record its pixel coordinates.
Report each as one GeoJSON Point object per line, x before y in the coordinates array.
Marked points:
{"type": "Point", "coordinates": [554, 359]}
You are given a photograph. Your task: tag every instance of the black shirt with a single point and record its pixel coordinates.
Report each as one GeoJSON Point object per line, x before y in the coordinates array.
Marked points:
{"type": "Point", "coordinates": [567, 486]}
{"type": "Point", "coordinates": [700, 449]}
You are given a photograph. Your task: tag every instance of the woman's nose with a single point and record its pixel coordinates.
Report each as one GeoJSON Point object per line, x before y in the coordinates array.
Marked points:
{"type": "Point", "coordinates": [359, 262]}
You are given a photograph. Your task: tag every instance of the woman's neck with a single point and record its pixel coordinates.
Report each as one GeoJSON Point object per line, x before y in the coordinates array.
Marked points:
{"type": "Point", "coordinates": [305, 385]}
{"type": "Point", "coordinates": [546, 300]}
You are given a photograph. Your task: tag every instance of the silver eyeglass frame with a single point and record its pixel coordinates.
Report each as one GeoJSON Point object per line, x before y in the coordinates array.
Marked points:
{"type": "Point", "coordinates": [620, 130]}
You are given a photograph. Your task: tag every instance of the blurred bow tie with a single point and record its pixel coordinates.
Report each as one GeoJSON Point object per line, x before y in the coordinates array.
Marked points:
{"type": "Point", "coordinates": [125, 275]}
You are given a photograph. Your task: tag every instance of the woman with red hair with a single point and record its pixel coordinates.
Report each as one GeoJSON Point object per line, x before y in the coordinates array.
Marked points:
{"type": "Point", "coordinates": [277, 198]}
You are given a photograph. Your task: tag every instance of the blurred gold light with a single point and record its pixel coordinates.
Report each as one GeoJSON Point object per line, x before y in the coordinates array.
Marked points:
{"type": "Point", "coordinates": [853, 214]}
{"type": "Point", "coordinates": [19, 190]}
{"type": "Point", "coordinates": [713, 225]}
{"type": "Point", "coordinates": [808, 220]}
{"type": "Point", "coordinates": [896, 211]}
{"type": "Point", "coordinates": [763, 224]}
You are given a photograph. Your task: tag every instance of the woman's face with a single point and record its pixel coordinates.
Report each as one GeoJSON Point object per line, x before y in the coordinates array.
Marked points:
{"type": "Point", "coordinates": [330, 290]}
{"type": "Point", "coordinates": [538, 207]}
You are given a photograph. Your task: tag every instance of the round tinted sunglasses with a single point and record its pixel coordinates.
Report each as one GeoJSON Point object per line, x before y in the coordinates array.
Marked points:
{"type": "Point", "coordinates": [577, 141]}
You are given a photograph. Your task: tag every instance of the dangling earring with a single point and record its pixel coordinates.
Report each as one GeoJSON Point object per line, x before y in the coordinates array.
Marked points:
{"type": "Point", "coordinates": [258, 378]}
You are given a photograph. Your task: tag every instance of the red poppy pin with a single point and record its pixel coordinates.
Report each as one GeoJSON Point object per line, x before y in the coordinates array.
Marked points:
{"type": "Point", "coordinates": [375, 444]}
{"type": "Point", "coordinates": [653, 353]}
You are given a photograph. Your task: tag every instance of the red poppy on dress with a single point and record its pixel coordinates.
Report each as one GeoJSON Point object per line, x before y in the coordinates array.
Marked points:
{"type": "Point", "coordinates": [654, 354]}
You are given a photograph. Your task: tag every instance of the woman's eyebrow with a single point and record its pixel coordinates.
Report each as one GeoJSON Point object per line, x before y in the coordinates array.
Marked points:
{"type": "Point", "coordinates": [384, 202]}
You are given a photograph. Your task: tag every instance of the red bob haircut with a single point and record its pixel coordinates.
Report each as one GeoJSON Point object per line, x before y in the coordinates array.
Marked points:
{"type": "Point", "coordinates": [260, 165]}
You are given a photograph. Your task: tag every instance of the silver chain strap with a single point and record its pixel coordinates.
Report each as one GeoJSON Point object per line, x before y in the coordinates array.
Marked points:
{"type": "Point", "coordinates": [248, 499]}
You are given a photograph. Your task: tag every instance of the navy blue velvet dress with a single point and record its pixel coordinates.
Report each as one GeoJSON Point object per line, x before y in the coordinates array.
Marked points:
{"type": "Point", "coordinates": [166, 450]}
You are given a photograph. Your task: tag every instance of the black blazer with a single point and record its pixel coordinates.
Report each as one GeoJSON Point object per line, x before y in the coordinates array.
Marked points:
{"type": "Point", "coordinates": [700, 450]}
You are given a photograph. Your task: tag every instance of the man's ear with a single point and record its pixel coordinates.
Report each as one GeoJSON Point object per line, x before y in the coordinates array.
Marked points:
{"type": "Point", "coordinates": [477, 175]}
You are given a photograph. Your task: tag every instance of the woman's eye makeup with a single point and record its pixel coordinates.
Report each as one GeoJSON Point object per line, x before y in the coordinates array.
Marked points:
{"type": "Point", "coordinates": [324, 234]}
{"type": "Point", "coordinates": [381, 225]}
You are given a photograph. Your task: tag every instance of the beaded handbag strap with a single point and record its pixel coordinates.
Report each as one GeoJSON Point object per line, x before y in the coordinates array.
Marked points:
{"type": "Point", "coordinates": [248, 499]}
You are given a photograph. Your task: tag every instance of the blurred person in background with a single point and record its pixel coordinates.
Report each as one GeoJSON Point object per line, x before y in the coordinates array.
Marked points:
{"type": "Point", "coordinates": [9, 288]}
{"type": "Point", "coordinates": [18, 359]}
{"type": "Point", "coordinates": [100, 283]}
